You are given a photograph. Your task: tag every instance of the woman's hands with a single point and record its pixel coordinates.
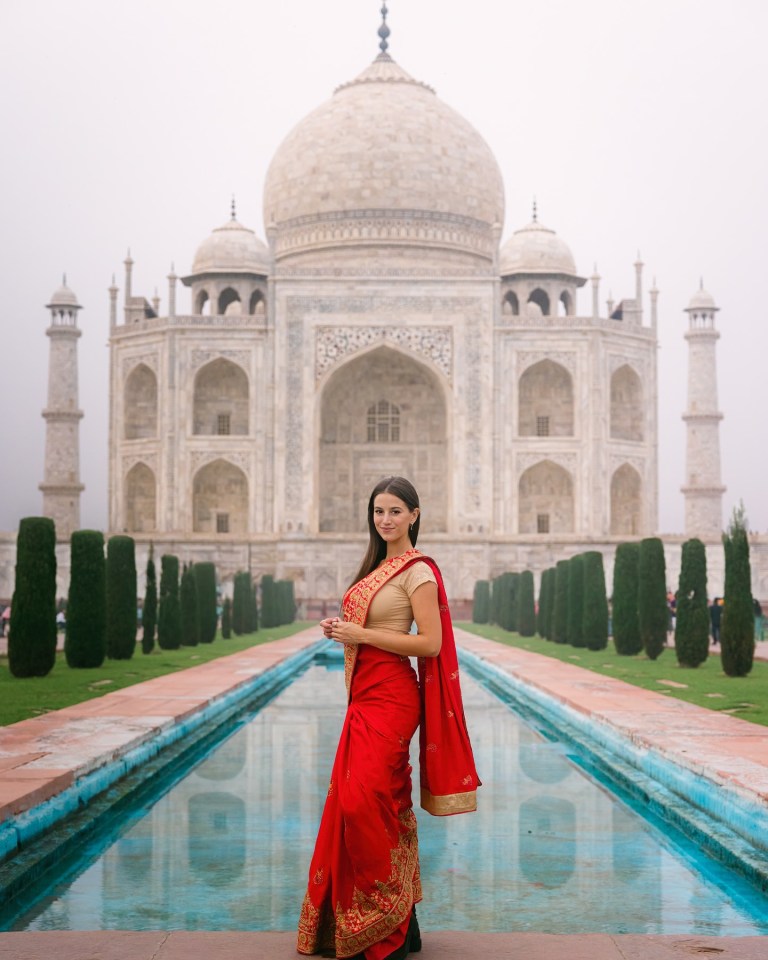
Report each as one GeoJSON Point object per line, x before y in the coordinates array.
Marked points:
{"type": "Point", "coordinates": [342, 632]}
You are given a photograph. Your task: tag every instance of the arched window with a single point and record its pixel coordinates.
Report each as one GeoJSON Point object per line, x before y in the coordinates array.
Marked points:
{"type": "Point", "coordinates": [229, 303]}
{"type": "Point", "coordinates": [140, 407]}
{"type": "Point", "coordinates": [383, 422]}
{"type": "Point", "coordinates": [140, 499]}
{"type": "Point", "coordinates": [546, 401]}
{"type": "Point", "coordinates": [626, 502]}
{"type": "Point", "coordinates": [511, 305]}
{"type": "Point", "coordinates": [626, 405]}
{"type": "Point", "coordinates": [257, 304]}
{"type": "Point", "coordinates": [202, 304]}
{"type": "Point", "coordinates": [220, 499]}
{"type": "Point", "coordinates": [221, 400]}
{"type": "Point", "coordinates": [546, 499]}
{"type": "Point", "coordinates": [565, 309]}
{"type": "Point", "coordinates": [541, 299]}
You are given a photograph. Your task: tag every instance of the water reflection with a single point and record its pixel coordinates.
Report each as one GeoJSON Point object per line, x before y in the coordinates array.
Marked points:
{"type": "Point", "coordinates": [549, 850]}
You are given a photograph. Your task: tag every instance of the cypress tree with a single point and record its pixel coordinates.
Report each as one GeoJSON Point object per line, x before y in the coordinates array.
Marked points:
{"type": "Point", "coordinates": [526, 605]}
{"type": "Point", "coordinates": [652, 611]}
{"type": "Point", "coordinates": [190, 619]}
{"type": "Point", "coordinates": [496, 600]}
{"type": "Point", "coordinates": [241, 604]}
{"type": "Point", "coordinates": [560, 614]}
{"type": "Point", "coordinates": [481, 602]}
{"type": "Point", "coordinates": [149, 612]}
{"type": "Point", "coordinates": [169, 616]}
{"type": "Point", "coordinates": [122, 621]}
{"type": "Point", "coordinates": [269, 612]}
{"type": "Point", "coordinates": [253, 604]}
{"type": "Point", "coordinates": [32, 631]}
{"type": "Point", "coordinates": [541, 611]}
{"type": "Point", "coordinates": [692, 621]}
{"type": "Point", "coordinates": [595, 610]}
{"type": "Point", "coordinates": [286, 607]}
{"type": "Point", "coordinates": [205, 585]}
{"type": "Point", "coordinates": [626, 574]}
{"type": "Point", "coordinates": [512, 611]}
{"type": "Point", "coordinates": [226, 619]}
{"type": "Point", "coordinates": [737, 629]}
{"type": "Point", "coordinates": [576, 601]}
{"type": "Point", "coordinates": [85, 639]}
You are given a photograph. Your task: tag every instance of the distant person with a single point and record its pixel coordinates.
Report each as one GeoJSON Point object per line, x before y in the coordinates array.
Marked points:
{"type": "Point", "coordinates": [715, 616]}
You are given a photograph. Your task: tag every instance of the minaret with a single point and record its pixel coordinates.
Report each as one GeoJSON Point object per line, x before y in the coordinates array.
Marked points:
{"type": "Point", "coordinates": [61, 487]}
{"type": "Point", "coordinates": [703, 490]}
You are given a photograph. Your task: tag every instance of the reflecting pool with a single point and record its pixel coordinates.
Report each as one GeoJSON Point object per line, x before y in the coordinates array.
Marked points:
{"type": "Point", "coordinates": [550, 849]}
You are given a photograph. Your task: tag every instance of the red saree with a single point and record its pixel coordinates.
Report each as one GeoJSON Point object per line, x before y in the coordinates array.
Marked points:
{"type": "Point", "coordinates": [364, 875]}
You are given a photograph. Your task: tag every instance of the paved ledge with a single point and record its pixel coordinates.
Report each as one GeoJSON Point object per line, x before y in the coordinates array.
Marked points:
{"type": "Point", "coordinates": [725, 749]}
{"type": "Point", "coordinates": [43, 756]}
{"type": "Point", "coordinates": [447, 945]}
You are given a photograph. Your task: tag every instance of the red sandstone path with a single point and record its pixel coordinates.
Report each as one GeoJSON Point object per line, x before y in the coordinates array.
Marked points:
{"type": "Point", "coordinates": [42, 756]}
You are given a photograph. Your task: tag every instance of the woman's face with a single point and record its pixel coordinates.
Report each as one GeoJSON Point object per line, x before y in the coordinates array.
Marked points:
{"type": "Point", "coordinates": [392, 517]}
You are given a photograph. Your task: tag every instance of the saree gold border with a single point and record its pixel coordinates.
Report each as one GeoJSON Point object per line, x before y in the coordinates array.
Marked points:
{"type": "Point", "coordinates": [448, 805]}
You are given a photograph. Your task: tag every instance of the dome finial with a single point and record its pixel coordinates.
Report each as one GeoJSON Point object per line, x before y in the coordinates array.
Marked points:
{"type": "Point", "coordinates": [384, 32]}
{"type": "Point", "coordinates": [234, 211]}
{"type": "Point", "coordinates": [64, 280]}
{"type": "Point", "coordinates": [535, 211]}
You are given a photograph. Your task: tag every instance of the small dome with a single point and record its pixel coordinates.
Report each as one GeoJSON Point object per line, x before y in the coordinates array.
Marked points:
{"type": "Point", "coordinates": [384, 145]}
{"type": "Point", "coordinates": [701, 300]}
{"type": "Point", "coordinates": [232, 248]}
{"type": "Point", "coordinates": [536, 249]}
{"type": "Point", "coordinates": [64, 297]}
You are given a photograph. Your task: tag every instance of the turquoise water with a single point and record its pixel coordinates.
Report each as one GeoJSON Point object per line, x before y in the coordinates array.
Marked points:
{"type": "Point", "coordinates": [550, 849]}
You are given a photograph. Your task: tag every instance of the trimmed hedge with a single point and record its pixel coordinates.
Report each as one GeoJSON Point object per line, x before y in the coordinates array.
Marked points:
{"type": "Point", "coordinates": [560, 618]}
{"type": "Point", "coordinates": [85, 638]}
{"type": "Point", "coordinates": [692, 620]}
{"type": "Point", "coordinates": [205, 584]}
{"type": "Point", "coordinates": [595, 616]}
{"type": "Point", "coordinates": [576, 601]}
{"type": "Point", "coordinates": [190, 621]}
{"type": "Point", "coordinates": [481, 604]}
{"type": "Point", "coordinates": [652, 610]}
{"type": "Point", "coordinates": [226, 619]}
{"type": "Point", "coordinates": [626, 574]}
{"type": "Point", "coordinates": [122, 622]}
{"type": "Point", "coordinates": [269, 602]}
{"type": "Point", "coordinates": [286, 603]}
{"type": "Point", "coordinates": [526, 605]}
{"type": "Point", "coordinates": [169, 616]}
{"type": "Point", "coordinates": [149, 610]}
{"type": "Point", "coordinates": [241, 602]}
{"type": "Point", "coordinates": [737, 629]}
{"type": "Point", "coordinates": [32, 631]}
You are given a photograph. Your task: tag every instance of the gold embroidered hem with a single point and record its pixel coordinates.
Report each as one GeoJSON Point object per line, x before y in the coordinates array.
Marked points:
{"type": "Point", "coordinates": [372, 915]}
{"type": "Point", "coordinates": [449, 805]}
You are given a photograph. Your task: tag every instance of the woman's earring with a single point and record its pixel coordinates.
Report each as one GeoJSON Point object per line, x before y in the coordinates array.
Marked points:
{"type": "Point", "coordinates": [410, 528]}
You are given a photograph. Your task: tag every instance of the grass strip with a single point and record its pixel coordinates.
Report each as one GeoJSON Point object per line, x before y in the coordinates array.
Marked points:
{"type": "Point", "coordinates": [706, 686]}
{"type": "Point", "coordinates": [21, 699]}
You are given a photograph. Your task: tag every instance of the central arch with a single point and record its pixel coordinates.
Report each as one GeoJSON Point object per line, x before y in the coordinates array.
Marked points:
{"type": "Point", "coordinates": [383, 413]}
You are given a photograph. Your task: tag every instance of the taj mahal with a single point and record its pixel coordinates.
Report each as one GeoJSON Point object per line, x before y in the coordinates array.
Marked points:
{"type": "Point", "coordinates": [384, 325]}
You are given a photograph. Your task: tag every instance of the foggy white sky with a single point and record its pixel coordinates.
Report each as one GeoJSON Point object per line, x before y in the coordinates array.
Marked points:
{"type": "Point", "coordinates": [636, 126]}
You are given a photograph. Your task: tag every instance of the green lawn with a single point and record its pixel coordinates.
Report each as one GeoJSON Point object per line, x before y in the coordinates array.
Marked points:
{"type": "Point", "coordinates": [707, 685]}
{"type": "Point", "coordinates": [21, 699]}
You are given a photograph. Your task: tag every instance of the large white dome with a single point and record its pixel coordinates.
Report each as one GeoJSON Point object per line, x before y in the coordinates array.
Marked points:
{"type": "Point", "coordinates": [384, 146]}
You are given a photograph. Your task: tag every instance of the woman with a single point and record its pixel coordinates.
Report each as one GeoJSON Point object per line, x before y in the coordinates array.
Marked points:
{"type": "Point", "coordinates": [364, 875]}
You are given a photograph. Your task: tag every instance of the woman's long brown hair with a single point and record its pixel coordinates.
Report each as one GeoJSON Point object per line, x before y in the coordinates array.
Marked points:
{"type": "Point", "coordinates": [377, 547]}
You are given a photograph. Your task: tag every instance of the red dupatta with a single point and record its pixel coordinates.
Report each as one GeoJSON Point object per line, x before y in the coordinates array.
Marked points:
{"type": "Point", "coordinates": [448, 776]}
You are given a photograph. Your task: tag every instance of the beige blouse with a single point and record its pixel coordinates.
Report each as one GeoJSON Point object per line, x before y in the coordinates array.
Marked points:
{"type": "Point", "coordinates": [391, 607]}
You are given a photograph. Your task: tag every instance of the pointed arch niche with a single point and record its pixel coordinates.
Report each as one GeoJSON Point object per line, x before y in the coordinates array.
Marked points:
{"type": "Point", "coordinates": [626, 405]}
{"type": "Point", "coordinates": [546, 499]}
{"type": "Point", "coordinates": [220, 499]}
{"type": "Point", "coordinates": [381, 414]}
{"type": "Point", "coordinates": [626, 501]}
{"type": "Point", "coordinates": [140, 499]}
{"type": "Point", "coordinates": [140, 404]}
{"type": "Point", "coordinates": [546, 401]}
{"type": "Point", "coordinates": [220, 405]}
